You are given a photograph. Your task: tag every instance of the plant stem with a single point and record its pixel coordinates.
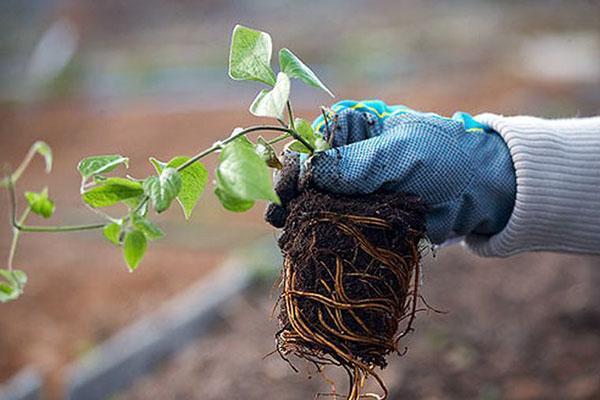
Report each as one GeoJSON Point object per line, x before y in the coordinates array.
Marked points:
{"type": "Point", "coordinates": [139, 207]}
{"type": "Point", "coordinates": [217, 145]}
{"type": "Point", "coordinates": [279, 138]}
{"type": "Point", "coordinates": [18, 224]}
{"type": "Point", "coordinates": [293, 128]}
{"type": "Point", "coordinates": [15, 239]}
{"type": "Point", "coordinates": [291, 115]}
{"type": "Point", "coordinates": [326, 120]}
{"type": "Point", "coordinates": [60, 228]}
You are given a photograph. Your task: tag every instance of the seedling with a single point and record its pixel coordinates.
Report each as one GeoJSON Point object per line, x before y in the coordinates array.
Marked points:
{"type": "Point", "coordinates": [350, 263]}
{"type": "Point", "coordinates": [241, 178]}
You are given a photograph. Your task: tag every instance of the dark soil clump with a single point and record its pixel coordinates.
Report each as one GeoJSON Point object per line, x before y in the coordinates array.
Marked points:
{"type": "Point", "coordinates": [350, 279]}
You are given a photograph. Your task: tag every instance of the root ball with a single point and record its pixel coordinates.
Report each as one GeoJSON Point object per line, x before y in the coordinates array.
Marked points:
{"type": "Point", "coordinates": [349, 280]}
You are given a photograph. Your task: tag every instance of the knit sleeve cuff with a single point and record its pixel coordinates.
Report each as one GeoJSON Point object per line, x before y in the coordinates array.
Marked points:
{"type": "Point", "coordinates": [557, 205]}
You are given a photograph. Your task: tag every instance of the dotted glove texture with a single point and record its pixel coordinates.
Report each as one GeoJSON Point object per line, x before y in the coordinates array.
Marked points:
{"type": "Point", "coordinates": [461, 169]}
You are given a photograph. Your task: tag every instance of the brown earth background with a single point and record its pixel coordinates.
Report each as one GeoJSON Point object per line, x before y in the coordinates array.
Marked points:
{"type": "Point", "coordinates": [149, 79]}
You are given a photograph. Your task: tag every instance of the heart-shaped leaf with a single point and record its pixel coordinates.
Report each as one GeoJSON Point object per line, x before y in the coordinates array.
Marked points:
{"type": "Point", "coordinates": [271, 103]}
{"type": "Point", "coordinates": [295, 68]}
{"type": "Point", "coordinates": [163, 189]}
{"type": "Point", "coordinates": [112, 191]}
{"type": "Point", "coordinates": [96, 165]}
{"type": "Point", "coordinates": [230, 202]}
{"type": "Point", "coordinates": [242, 174]}
{"type": "Point", "coordinates": [250, 55]}
{"type": "Point", "coordinates": [193, 181]}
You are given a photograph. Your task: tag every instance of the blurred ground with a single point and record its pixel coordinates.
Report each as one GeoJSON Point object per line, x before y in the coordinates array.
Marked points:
{"type": "Point", "coordinates": [523, 329]}
{"type": "Point", "coordinates": [146, 78]}
{"type": "Point", "coordinates": [173, 53]}
{"type": "Point", "coordinates": [80, 291]}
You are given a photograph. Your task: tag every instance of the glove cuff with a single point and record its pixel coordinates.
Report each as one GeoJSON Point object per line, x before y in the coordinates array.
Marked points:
{"type": "Point", "coordinates": [557, 206]}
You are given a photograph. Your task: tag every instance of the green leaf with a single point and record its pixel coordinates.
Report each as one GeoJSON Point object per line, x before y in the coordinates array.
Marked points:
{"type": "Point", "coordinates": [193, 181]}
{"type": "Point", "coordinates": [7, 293]}
{"type": "Point", "coordinates": [14, 277]}
{"type": "Point", "coordinates": [250, 55]}
{"type": "Point", "coordinates": [12, 286]}
{"type": "Point", "coordinates": [112, 232]}
{"type": "Point", "coordinates": [267, 153]}
{"type": "Point", "coordinates": [157, 164]}
{"type": "Point", "coordinates": [243, 175]}
{"type": "Point", "coordinates": [151, 230]}
{"type": "Point", "coordinates": [20, 277]}
{"type": "Point", "coordinates": [40, 203]}
{"type": "Point", "coordinates": [271, 103]}
{"type": "Point", "coordinates": [112, 191]}
{"type": "Point", "coordinates": [133, 202]}
{"type": "Point", "coordinates": [231, 202]}
{"type": "Point", "coordinates": [43, 149]}
{"type": "Point", "coordinates": [295, 68]}
{"type": "Point", "coordinates": [305, 130]}
{"type": "Point", "coordinates": [134, 248]}
{"type": "Point", "coordinates": [298, 147]}
{"type": "Point", "coordinates": [96, 165]}
{"type": "Point", "coordinates": [99, 179]}
{"type": "Point", "coordinates": [163, 189]}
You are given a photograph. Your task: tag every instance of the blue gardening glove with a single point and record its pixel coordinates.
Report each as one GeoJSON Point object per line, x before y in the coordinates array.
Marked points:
{"type": "Point", "coordinates": [460, 168]}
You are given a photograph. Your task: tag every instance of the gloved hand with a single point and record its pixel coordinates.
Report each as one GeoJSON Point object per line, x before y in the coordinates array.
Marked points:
{"type": "Point", "coordinates": [460, 168]}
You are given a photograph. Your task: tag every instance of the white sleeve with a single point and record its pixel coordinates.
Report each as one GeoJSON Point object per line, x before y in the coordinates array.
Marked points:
{"type": "Point", "coordinates": [557, 207]}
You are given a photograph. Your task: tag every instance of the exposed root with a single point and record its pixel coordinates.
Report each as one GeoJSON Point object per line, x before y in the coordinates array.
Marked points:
{"type": "Point", "coordinates": [350, 277]}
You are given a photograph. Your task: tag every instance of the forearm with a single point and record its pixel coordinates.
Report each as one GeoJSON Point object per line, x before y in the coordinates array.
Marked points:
{"type": "Point", "coordinates": [557, 206]}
